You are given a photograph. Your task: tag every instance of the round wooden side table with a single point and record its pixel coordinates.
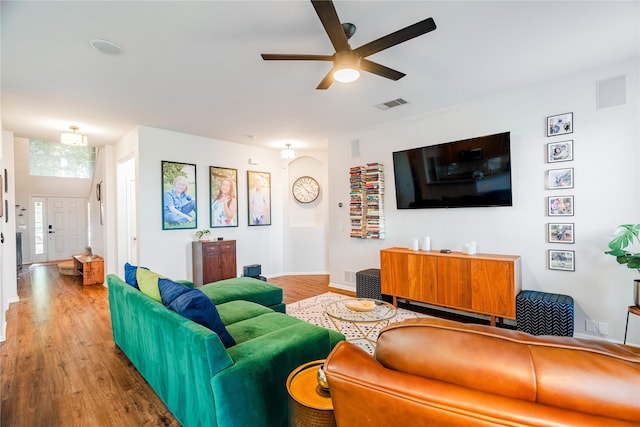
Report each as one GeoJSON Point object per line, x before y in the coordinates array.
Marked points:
{"type": "Point", "coordinates": [309, 404]}
{"type": "Point", "coordinates": [633, 309]}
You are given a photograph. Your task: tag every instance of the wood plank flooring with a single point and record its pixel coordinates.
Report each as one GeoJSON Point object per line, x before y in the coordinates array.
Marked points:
{"type": "Point", "coordinates": [60, 367]}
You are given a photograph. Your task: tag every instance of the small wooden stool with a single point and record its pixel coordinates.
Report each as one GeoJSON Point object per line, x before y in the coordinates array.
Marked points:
{"type": "Point", "coordinates": [634, 309]}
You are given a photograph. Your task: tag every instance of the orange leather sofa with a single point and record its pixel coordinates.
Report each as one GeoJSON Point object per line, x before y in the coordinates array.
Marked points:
{"type": "Point", "coordinates": [433, 372]}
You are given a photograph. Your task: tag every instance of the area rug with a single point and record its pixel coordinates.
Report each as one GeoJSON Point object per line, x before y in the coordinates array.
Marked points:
{"type": "Point", "coordinates": [312, 310]}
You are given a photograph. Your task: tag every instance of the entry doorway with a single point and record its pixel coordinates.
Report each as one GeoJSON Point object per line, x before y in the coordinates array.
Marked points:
{"type": "Point", "coordinates": [58, 227]}
{"type": "Point", "coordinates": [127, 212]}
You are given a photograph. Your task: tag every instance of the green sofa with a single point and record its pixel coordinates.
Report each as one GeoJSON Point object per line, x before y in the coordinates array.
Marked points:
{"type": "Point", "coordinates": [201, 382]}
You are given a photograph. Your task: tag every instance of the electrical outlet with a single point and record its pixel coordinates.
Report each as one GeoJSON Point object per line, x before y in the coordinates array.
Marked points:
{"type": "Point", "coordinates": [590, 325]}
{"type": "Point", "coordinates": [603, 328]}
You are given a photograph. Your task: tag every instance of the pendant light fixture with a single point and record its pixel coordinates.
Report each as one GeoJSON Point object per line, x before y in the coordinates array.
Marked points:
{"type": "Point", "coordinates": [74, 138]}
{"type": "Point", "coordinates": [288, 153]}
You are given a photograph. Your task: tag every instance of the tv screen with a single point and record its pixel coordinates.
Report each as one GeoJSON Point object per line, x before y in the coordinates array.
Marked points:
{"type": "Point", "coordinates": [473, 172]}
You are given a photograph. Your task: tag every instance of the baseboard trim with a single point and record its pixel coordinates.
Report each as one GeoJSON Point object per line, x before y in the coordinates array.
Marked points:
{"type": "Point", "coordinates": [342, 287]}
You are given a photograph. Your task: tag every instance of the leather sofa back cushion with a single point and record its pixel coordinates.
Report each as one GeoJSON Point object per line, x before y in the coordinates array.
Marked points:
{"type": "Point", "coordinates": [581, 375]}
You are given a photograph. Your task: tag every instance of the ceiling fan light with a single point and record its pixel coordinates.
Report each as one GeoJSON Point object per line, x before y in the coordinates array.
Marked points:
{"type": "Point", "coordinates": [346, 75]}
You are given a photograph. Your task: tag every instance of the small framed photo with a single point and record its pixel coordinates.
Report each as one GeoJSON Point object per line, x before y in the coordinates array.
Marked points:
{"type": "Point", "coordinates": [560, 232]}
{"type": "Point", "coordinates": [560, 206]}
{"type": "Point", "coordinates": [560, 151]}
{"type": "Point", "coordinates": [560, 124]}
{"type": "Point", "coordinates": [259, 197]}
{"type": "Point", "coordinates": [562, 260]}
{"type": "Point", "coordinates": [559, 178]}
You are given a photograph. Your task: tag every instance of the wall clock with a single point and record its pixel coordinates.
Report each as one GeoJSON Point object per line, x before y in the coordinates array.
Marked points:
{"type": "Point", "coordinates": [305, 189]}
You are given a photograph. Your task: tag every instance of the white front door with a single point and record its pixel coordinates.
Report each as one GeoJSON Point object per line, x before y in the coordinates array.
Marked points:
{"type": "Point", "coordinates": [67, 229]}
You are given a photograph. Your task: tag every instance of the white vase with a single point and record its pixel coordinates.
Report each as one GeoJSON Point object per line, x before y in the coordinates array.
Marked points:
{"type": "Point", "coordinates": [636, 292]}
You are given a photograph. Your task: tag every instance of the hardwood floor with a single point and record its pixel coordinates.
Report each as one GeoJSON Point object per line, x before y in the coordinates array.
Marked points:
{"type": "Point", "coordinates": [60, 367]}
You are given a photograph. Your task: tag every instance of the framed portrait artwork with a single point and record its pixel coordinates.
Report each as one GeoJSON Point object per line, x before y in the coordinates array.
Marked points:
{"type": "Point", "coordinates": [259, 197]}
{"type": "Point", "coordinates": [178, 196]}
{"type": "Point", "coordinates": [223, 203]}
{"type": "Point", "coordinates": [559, 178]}
{"type": "Point", "coordinates": [562, 260]}
{"type": "Point", "coordinates": [560, 124]}
{"type": "Point", "coordinates": [560, 206]}
{"type": "Point", "coordinates": [560, 232]}
{"type": "Point", "coordinates": [561, 151]}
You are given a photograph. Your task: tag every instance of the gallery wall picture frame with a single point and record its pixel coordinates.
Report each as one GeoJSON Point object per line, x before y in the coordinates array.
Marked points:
{"type": "Point", "coordinates": [560, 124]}
{"type": "Point", "coordinates": [559, 178]}
{"type": "Point", "coordinates": [561, 260]}
{"type": "Point", "coordinates": [259, 198]}
{"type": "Point", "coordinates": [223, 197]}
{"type": "Point", "coordinates": [560, 206]}
{"type": "Point", "coordinates": [179, 208]}
{"type": "Point", "coordinates": [561, 232]}
{"type": "Point", "coordinates": [561, 151]}
{"type": "Point", "coordinates": [1, 201]}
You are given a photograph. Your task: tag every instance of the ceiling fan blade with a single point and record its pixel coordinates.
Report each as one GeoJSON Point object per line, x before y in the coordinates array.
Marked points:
{"type": "Point", "coordinates": [295, 57]}
{"type": "Point", "coordinates": [326, 82]}
{"type": "Point", "coordinates": [380, 70]}
{"type": "Point", "coordinates": [329, 18]}
{"type": "Point", "coordinates": [407, 33]}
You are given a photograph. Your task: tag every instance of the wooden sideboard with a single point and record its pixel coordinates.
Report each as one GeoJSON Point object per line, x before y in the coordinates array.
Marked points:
{"type": "Point", "coordinates": [482, 283]}
{"type": "Point", "coordinates": [213, 261]}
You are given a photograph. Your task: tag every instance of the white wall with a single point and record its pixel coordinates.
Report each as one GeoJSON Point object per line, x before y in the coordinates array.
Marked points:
{"type": "Point", "coordinates": [169, 251]}
{"type": "Point", "coordinates": [606, 152]}
{"type": "Point", "coordinates": [305, 237]}
{"type": "Point", "coordinates": [8, 278]}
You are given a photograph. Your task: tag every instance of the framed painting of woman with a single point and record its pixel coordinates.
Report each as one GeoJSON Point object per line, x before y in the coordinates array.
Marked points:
{"type": "Point", "coordinates": [223, 184]}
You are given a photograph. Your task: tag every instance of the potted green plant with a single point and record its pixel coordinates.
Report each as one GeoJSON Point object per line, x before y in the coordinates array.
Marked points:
{"type": "Point", "coordinates": [626, 236]}
{"type": "Point", "coordinates": [203, 235]}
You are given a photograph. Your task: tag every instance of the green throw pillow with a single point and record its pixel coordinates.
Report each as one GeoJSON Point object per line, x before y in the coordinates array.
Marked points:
{"type": "Point", "coordinates": [148, 283]}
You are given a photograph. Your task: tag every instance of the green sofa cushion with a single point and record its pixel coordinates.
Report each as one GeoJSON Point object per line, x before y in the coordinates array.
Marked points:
{"type": "Point", "coordinates": [236, 311]}
{"type": "Point", "coordinates": [243, 288]}
{"type": "Point", "coordinates": [264, 324]}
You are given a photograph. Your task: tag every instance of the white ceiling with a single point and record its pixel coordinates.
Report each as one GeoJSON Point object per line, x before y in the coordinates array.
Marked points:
{"type": "Point", "coordinates": [195, 67]}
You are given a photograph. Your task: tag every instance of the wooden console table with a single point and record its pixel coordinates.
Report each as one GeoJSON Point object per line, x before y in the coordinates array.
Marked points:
{"type": "Point", "coordinates": [482, 283]}
{"type": "Point", "coordinates": [90, 267]}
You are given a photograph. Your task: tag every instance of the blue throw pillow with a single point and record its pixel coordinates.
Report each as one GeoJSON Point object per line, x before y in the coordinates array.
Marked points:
{"type": "Point", "coordinates": [130, 274]}
{"type": "Point", "coordinates": [194, 305]}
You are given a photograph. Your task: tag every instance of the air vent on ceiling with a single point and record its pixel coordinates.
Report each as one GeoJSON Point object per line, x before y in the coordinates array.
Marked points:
{"type": "Point", "coordinates": [391, 104]}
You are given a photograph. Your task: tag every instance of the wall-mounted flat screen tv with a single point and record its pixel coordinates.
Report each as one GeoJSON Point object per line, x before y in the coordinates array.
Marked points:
{"type": "Point", "coordinates": [474, 172]}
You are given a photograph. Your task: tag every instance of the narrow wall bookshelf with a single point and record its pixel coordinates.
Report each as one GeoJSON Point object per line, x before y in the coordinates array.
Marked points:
{"type": "Point", "coordinates": [366, 206]}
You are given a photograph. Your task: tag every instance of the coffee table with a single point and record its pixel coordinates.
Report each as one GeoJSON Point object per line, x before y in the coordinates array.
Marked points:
{"type": "Point", "coordinates": [365, 323]}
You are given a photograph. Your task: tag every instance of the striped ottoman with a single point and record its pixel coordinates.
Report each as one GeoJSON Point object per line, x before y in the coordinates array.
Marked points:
{"type": "Point", "coordinates": [542, 313]}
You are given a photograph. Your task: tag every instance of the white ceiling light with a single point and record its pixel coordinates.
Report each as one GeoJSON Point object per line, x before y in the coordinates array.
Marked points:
{"type": "Point", "coordinates": [288, 153]}
{"type": "Point", "coordinates": [74, 138]}
{"type": "Point", "coordinates": [347, 65]}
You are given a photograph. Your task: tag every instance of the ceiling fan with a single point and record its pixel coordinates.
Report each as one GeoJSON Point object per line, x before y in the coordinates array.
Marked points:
{"type": "Point", "coordinates": [351, 61]}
